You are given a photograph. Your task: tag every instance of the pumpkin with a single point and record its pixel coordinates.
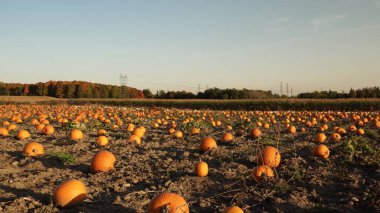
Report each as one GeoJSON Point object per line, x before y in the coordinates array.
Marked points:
{"type": "Point", "coordinates": [233, 209]}
{"type": "Point", "coordinates": [351, 128]}
{"type": "Point", "coordinates": [33, 149]}
{"type": "Point", "coordinates": [260, 171]}
{"type": "Point", "coordinates": [321, 151]}
{"type": "Point", "coordinates": [12, 127]}
{"type": "Point", "coordinates": [101, 132]}
{"type": "Point", "coordinates": [320, 138]}
{"type": "Point", "coordinates": [23, 134]}
{"type": "Point", "coordinates": [360, 131]}
{"type": "Point", "coordinates": [102, 140]}
{"type": "Point", "coordinates": [76, 134]}
{"type": "Point", "coordinates": [40, 127]}
{"type": "Point", "coordinates": [168, 202]}
{"type": "Point", "coordinates": [195, 131]}
{"type": "Point", "coordinates": [3, 131]}
{"type": "Point", "coordinates": [335, 137]}
{"type": "Point", "coordinates": [103, 161]}
{"type": "Point", "coordinates": [202, 169]}
{"type": "Point", "coordinates": [134, 138]}
{"type": "Point", "coordinates": [171, 131]}
{"type": "Point", "coordinates": [292, 130]}
{"type": "Point", "coordinates": [70, 193]}
{"type": "Point", "coordinates": [270, 156]}
{"type": "Point", "coordinates": [48, 130]}
{"type": "Point", "coordinates": [227, 137]}
{"type": "Point", "coordinates": [255, 133]}
{"type": "Point", "coordinates": [139, 132]}
{"type": "Point", "coordinates": [178, 134]}
{"type": "Point", "coordinates": [207, 144]}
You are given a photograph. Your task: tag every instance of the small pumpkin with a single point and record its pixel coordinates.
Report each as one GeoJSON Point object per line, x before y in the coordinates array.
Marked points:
{"type": "Point", "coordinates": [260, 171]}
{"type": "Point", "coordinates": [134, 138]}
{"type": "Point", "coordinates": [102, 132]}
{"type": "Point", "coordinates": [202, 169]}
{"type": "Point", "coordinates": [227, 137]}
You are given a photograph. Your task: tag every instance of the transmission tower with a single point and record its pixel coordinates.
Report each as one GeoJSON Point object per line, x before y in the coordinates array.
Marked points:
{"type": "Point", "coordinates": [281, 89]}
{"type": "Point", "coordinates": [287, 89]}
{"type": "Point", "coordinates": [123, 85]}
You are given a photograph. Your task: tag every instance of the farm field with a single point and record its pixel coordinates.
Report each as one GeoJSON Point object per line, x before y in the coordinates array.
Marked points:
{"type": "Point", "coordinates": [261, 161]}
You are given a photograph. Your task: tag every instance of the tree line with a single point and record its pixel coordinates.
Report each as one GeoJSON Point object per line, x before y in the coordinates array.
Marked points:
{"type": "Point", "coordinates": [70, 89]}
{"type": "Point", "coordinates": [369, 92]}
{"type": "Point", "coordinates": [212, 93]}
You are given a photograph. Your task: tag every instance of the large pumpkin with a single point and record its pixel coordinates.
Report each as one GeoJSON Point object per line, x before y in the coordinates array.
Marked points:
{"type": "Point", "coordinates": [270, 156]}
{"type": "Point", "coordinates": [70, 193]}
{"type": "Point", "coordinates": [208, 144]}
{"type": "Point", "coordinates": [168, 202]}
{"type": "Point", "coordinates": [33, 149]}
{"type": "Point", "coordinates": [103, 161]}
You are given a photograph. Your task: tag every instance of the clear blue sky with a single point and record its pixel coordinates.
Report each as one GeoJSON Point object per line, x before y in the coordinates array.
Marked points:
{"type": "Point", "coordinates": [311, 44]}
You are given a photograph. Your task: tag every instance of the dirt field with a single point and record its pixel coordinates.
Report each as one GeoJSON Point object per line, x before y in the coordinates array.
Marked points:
{"type": "Point", "coordinates": [347, 181]}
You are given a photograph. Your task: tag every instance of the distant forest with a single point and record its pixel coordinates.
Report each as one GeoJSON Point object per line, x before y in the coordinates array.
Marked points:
{"type": "Point", "coordinates": [70, 89]}
{"type": "Point", "coordinates": [82, 89]}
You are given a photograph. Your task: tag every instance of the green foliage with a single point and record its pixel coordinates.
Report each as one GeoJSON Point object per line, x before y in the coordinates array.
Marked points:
{"type": "Point", "coordinates": [62, 157]}
{"type": "Point", "coordinates": [360, 150]}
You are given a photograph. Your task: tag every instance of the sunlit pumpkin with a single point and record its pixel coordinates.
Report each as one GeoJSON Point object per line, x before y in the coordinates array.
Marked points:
{"type": "Point", "coordinates": [168, 202]}
{"type": "Point", "coordinates": [70, 193]}
{"type": "Point", "coordinates": [103, 161]}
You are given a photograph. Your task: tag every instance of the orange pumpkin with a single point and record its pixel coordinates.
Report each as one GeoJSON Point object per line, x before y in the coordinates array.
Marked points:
{"type": "Point", "coordinates": [207, 144]}
{"type": "Point", "coordinates": [40, 127]}
{"type": "Point", "coordinates": [33, 149]}
{"type": "Point", "coordinates": [3, 131]}
{"type": "Point", "coordinates": [292, 129]}
{"type": "Point", "coordinates": [134, 138]}
{"type": "Point", "coordinates": [270, 156]}
{"type": "Point", "coordinates": [76, 134]}
{"type": "Point", "coordinates": [227, 137]}
{"type": "Point", "coordinates": [168, 202]}
{"type": "Point", "coordinates": [202, 169]}
{"type": "Point", "coordinates": [335, 137]}
{"type": "Point", "coordinates": [70, 193]}
{"type": "Point", "coordinates": [321, 151]}
{"type": "Point", "coordinates": [23, 134]}
{"type": "Point", "coordinates": [48, 130]}
{"type": "Point", "coordinates": [195, 131]}
{"type": "Point", "coordinates": [178, 134]}
{"type": "Point", "coordinates": [139, 132]}
{"type": "Point", "coordinates": [234, 209]}
{"type": "Point", "coordinates": [255, 133]}
{"type": "Point", "coordinates": [260, 171]}
{"type": "Point", "coordinates": [102, 132]}
{"type": "Point", "coordinates": [320, 138]}
{"type": "Point", "coordinates": [360, 131]}
{"type": "Point", "coordinates": [103, 161]}
{"type": "Point", "coordinates": [102, 140]}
